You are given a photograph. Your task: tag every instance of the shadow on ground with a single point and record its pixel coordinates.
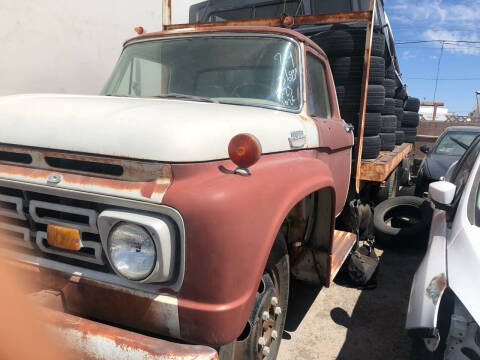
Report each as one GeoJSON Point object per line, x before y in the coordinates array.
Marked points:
{"type": "Point", "coordinates": [376, 328]}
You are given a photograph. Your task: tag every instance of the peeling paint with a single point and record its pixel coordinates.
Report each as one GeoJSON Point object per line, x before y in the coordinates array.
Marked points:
{"type": "Point", "coordinates": [436, 287]}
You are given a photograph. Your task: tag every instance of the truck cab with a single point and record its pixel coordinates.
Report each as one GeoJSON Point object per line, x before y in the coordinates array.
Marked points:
{"type": "Point", "coordinates": [178, 202]}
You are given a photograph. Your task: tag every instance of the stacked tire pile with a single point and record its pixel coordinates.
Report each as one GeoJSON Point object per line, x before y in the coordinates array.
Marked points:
{"type": "Point", "coordinates": [410, 119]}
{"type": "Point", "coordinates": [388, 135]}
{"type": "Point", "coordinates": [345, 48]}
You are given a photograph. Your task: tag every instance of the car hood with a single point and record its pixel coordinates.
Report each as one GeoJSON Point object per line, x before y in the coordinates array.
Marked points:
{"type": "Point", "coordinates": [167, 130]}
{"type": "Point", "coordinates": [437, 165]}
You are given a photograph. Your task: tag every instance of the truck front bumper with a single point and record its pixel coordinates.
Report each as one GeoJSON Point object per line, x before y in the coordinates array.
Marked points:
{"type": "Point", "coordinates": [86, 339]}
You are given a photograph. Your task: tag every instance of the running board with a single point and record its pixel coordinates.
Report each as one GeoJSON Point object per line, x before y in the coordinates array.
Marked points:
{"type": "Point", "coordinates": [342, 244]}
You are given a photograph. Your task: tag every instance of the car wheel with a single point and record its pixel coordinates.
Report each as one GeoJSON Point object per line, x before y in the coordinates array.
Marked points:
{"type": "Point", "coordinates": [402, 220]}
{"type": "Point", "coordinates": [263, 332]}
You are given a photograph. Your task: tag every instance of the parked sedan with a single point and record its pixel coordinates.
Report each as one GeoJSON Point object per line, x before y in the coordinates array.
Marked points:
{"type": "Point", "coordinates": [444, 308]}
{"type": "Point", "coordinates": [450, 146]}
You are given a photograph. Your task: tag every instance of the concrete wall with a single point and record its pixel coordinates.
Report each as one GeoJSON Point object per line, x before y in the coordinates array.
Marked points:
{"type": "Point", "coordinates": [70, 46]}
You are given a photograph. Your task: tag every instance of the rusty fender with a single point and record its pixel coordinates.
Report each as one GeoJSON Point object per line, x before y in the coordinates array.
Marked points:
{"type": "Point", "coordinates": [86, 339]}
{"type": "Point", "coordinates": [231, 223]}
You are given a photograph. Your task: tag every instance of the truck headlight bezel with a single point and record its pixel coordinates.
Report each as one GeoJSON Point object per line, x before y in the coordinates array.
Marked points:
{"type": "Point", "coordinates": [162, 232]}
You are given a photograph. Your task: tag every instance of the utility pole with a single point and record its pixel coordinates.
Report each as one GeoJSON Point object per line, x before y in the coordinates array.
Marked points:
{"type": "Point", "coordinates": [435, 104]}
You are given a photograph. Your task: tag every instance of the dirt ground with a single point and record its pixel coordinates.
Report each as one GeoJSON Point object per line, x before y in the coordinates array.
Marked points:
{"type": "Point", "coordinates": [341, 322]}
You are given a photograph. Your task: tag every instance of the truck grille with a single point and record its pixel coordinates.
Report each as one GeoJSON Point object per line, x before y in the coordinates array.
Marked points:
{"type": "Point", "coordinates": [24, 216]}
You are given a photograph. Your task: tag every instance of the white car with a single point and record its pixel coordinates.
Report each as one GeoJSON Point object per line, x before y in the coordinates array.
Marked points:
{"type": "Point", "coordinates": [444, 308]}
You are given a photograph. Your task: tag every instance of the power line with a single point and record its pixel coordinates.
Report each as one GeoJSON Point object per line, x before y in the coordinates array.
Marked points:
{"type": "Point", "coordinates": [442, 79]}
{"type": "Point", "coordinates": [438, 72]}
{"type": "Point", "coordinates": [438, 41]}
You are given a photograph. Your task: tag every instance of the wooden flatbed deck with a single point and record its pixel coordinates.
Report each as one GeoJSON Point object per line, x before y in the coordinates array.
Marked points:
{"type": "Point", "coordinates": [378, 169]}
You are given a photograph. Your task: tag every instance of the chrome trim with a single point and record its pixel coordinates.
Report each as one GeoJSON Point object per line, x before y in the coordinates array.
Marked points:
{"type": "Point", "coordinates": [114, 201]}
{"type": "Point", "coordinates": [95, 259]}
{"type": "Point", "coordinates": [240, 34]}
{"type": "Point", "coordinates": [27, 242]}
{"type": "Point", "coordinates": [91, 214]}
{"type": "Point", "coordinates": [18, 202]}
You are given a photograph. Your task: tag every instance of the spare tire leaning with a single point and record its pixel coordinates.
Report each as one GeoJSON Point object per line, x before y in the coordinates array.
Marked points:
{"type": "Point", "coordinates": [401, 221]}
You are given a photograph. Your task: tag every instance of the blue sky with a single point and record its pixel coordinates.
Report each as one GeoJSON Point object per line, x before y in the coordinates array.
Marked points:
{"type": "Point", "coordinates": [419, 20]}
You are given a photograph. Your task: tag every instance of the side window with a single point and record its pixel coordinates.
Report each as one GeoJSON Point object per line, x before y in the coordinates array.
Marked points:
{"type": "Point", "coordinates": [318, 101]}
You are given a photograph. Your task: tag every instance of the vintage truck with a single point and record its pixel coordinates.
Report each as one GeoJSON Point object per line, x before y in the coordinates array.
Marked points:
{"type": "Point", "coordinates": [172, 209]}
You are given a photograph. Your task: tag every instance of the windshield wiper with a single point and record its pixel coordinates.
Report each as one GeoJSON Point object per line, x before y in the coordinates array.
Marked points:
{"type": "Point", "coordinates": [185, 96]}
{"type": "Point", "coordinates": [462, 144]}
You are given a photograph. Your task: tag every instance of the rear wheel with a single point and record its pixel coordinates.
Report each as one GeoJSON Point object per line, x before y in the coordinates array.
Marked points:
{"type": "Point", "coordinates": [263, 332]}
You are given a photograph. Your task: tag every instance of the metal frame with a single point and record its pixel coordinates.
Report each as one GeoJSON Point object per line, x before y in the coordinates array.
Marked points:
{"type": "Point", "coordinates": [355, 16]}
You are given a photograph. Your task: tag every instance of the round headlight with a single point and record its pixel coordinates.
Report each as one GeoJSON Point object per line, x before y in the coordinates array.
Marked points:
{"type": "Point", "coordinates": [132, 251]}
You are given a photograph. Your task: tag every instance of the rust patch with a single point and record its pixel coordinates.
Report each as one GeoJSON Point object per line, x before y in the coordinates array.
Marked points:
{"type": "Point", "coordinates": [436, 287]}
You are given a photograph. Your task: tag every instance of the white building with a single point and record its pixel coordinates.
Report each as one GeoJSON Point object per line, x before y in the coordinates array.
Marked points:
{"type": "Point", "coordinates": [70, 46]}
{"type": "Point", "coordinates": [427, 112]}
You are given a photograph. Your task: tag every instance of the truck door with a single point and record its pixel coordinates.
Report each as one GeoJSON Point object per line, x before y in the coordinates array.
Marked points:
{"type": "Point", "coordinates": [335, 138]}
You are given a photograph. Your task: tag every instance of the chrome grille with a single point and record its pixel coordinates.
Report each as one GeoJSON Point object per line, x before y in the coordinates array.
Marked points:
{"type": "Point", "coordinates": [24, 216]}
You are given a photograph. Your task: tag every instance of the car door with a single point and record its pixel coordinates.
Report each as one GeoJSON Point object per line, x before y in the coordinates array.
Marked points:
{"type": "Point", "coordinates": [463, 245]}
{"type": "Point", "coordinates": [335, 137]}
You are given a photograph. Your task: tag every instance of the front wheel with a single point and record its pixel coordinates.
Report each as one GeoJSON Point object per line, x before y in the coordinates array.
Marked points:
{"type": "Point", "coordinates": [263, 332]}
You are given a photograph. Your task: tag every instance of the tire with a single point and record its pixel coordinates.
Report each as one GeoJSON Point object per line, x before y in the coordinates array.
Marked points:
{"type": "Point", "coordinates": [275, 283]}
{"type": "Point", "coordinates": [399, 137]}
{"type": "Point", "coordinates": [401, 93]}
{"type": "Point", "coordinates": [389, 124]}
{"type": "Point", "coordinates": [402, 220]}
{"type": "Point", "coordinates": [371, 147]}
{"type": "Point", "coordinates": [388, 141]}
{"type": "Point", "coordinates": [349, 70]}
{"type": "Point", "coordinates": [390, 189]}
{"type": "Point", "coordinates": [372, 122]}
{"type": "Point", "coordinates": [389, 85]}
{"type": "Point", "coordinates": [390, 72]}
{"type": "Point", "coordinates": [412, 104]}
{"type": "Point", "coordinates": [410, 119]}
{"type": "Point", "coordinates": [399, 103]}
{"type": "Point", "coordinates": [348, 42]}
{"type": "Point", "coordinates": [410, 135]}
{"type": "Point", "coordinates": [389, 107]}
{"type": "Point", "coordinates": [399, 114]}
{"type": "Point", "coordinates": [349, 98]}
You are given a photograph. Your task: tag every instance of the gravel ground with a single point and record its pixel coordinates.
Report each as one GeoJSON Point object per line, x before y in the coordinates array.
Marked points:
{"type": "Point", "coordinates": [345, 323]}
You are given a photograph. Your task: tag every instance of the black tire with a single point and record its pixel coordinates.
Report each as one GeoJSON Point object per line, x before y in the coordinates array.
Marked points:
{"type": "Point", "coordinates": [372, 122]}
{"type": "Point", "coordinates": [388, 141]}
{"type": "Point", "coordinates": [402, 220]}
{"type": "Point", "coordinates": [390, 72]}
{"type": "Point", "coordinates": [401, 93]}
{"type": "Point", "coordinates": [389, 107]}
{"type": "Point", "coordinates": [275, 283]}
{"type": "Point", "coordinates": [399, 115]}
{"type": "Point", "coordinates": [389, 124]}
{"type": "Point", "coordinates": [404, 178]}
{"type": "Point", "coordinates": [399, 103]}
{"type": "Point", "coordinates": [349, 98]}
{"type": "Point", "coordinates": [399, 137]}
{"type": "Point", "coordinates": [389, 85]}
{"type": "Point", "coordinates": [410, 119]}
{"type": "Point", "coordinates": [349, 70]}
{"type": "Point", "coordinates": [410, 135]}
{"type": "Point", "coordinates": [390, 189]}
{"type": "Point", "coordinates": [371, 147]}
{"type": "Point", "coordinates": [348, 42]}
{"type": "Point", "coordinates": [412, 104]}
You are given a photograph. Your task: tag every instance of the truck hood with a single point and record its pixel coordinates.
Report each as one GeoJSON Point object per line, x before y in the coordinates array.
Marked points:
{"type": "Point", "coordinates": [167, 130]}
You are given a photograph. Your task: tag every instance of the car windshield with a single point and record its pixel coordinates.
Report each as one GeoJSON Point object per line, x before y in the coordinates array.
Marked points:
{"type": "Point", "coordinates": [257, 71]}
{"type": "Point", "coordinates": [454, 143]}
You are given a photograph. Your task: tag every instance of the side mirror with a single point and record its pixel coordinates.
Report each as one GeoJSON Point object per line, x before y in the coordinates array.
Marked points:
{"type": "Point", "coordinates": [425, 149]}
{"type": "Point", "coordinates": [442, 193]}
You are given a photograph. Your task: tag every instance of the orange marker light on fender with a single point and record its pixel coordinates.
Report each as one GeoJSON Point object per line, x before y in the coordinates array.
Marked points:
{"type": "Point", "coordinates": [288, 21]}
{"type": "Point", "coordinates": [138, 30]}
{"type": "Point", "coordinates": [244, 150]}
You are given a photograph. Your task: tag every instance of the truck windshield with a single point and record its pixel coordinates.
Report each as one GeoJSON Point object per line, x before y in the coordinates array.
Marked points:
{"type": "Point", "coordinates": [252, 70]}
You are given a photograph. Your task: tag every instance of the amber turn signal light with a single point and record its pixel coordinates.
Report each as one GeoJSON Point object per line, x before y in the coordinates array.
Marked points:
{"type": "Point", "coordinates": [138, 30]}
{"type": "Point", "coordinates": [244, 150]}
{"type": "Point", "coordinates": [288, 21]}
{"type": "Point", "coordinates": [63, 238]}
